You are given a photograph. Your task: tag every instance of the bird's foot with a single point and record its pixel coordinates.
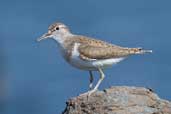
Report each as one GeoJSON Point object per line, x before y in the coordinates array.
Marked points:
{"type": "Point", "coordinates": [88, 94]}
{"type": "Point", "coordinates": [91, 91]}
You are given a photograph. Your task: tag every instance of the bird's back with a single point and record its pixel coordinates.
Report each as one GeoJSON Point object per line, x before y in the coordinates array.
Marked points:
{"type": "Point", "coordinates": [98, 49]}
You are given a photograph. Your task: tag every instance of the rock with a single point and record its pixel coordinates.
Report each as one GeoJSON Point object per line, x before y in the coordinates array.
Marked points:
{"type": "Point", "coordinates": [119, 100]}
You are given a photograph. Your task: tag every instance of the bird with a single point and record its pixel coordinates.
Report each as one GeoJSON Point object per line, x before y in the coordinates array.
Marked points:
{"type": "Point", "coordinates": [86, 53]}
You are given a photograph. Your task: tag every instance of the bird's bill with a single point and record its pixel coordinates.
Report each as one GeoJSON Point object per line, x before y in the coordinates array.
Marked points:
{"type": "Point", "coordinates": [45, 36]}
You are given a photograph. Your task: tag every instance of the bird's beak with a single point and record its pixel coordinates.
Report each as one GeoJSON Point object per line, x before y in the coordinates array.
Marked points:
{"type": "Point", "coordinates": [44, 36]}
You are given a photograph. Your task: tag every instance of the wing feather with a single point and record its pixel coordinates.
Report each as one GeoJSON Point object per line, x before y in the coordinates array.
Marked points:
{"type": "Point", "coordinates": [97, 52]}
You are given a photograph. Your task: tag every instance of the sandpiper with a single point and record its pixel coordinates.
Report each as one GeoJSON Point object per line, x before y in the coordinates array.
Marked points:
{"type": "Point", "coordinates": [87, 53]}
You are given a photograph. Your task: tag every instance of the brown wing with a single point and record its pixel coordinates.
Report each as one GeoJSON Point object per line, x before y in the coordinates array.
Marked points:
{"type": "Point", "coordinates": [93, 49]}
{"type": "Point", "coordinates": [95, 52]}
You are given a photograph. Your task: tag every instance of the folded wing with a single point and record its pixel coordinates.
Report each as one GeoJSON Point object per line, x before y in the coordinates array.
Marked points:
{"type": "Point", "coordinates": [97, 52]}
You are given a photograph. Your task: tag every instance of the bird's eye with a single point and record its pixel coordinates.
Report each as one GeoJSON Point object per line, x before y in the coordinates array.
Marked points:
{"type": "Point", "coordinates": [57, 28]}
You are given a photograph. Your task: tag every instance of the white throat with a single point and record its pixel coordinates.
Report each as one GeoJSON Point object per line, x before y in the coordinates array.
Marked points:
{"type": "Point", "coordinates": [60, 38]}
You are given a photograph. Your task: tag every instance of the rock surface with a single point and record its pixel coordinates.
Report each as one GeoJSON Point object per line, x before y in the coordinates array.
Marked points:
{"type": "Point", "coordinates": [119, 100]}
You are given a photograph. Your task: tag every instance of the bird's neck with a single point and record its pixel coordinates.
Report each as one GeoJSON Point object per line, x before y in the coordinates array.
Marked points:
{"type": "Point", "coordinates": [61, 38]}
{"type": "Point", "coordinates": [62, 41]}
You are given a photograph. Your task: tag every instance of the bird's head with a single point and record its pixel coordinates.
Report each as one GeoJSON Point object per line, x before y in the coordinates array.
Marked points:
{"type": "Point", "coordinates": [55, 31]}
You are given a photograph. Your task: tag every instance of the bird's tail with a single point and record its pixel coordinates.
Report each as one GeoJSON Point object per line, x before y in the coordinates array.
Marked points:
{"type": "Point", "coordinates": [139, 51]}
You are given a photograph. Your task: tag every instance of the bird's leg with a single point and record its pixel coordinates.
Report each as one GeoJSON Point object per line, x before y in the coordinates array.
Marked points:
{"type": "Point", "coordinates": [90, 83]}
{"type": "Point", "coordinates": [102, 76]}
{"type": "Point", "coordinates": [97, 85]}
{"type": "Point", "coordinates": [91, 80]}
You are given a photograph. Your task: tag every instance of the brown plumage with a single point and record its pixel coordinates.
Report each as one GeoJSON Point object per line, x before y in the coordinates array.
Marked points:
{"type": "Point", "coordinates": [90, 48]}
{"type": "Point", "coordinates": [96, 49]}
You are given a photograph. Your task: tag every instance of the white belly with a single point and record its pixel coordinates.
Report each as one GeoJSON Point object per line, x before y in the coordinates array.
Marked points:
{"type": "Point", "coordinates": [94, 64]}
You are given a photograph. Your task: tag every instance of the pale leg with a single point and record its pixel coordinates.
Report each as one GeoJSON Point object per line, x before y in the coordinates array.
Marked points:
{"type": "Point", "coordinates": [99, 82]}
{"type": "Point", "coordinates": [97, 85]}
{"type": "Point", "coordinates": [91, 80]}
